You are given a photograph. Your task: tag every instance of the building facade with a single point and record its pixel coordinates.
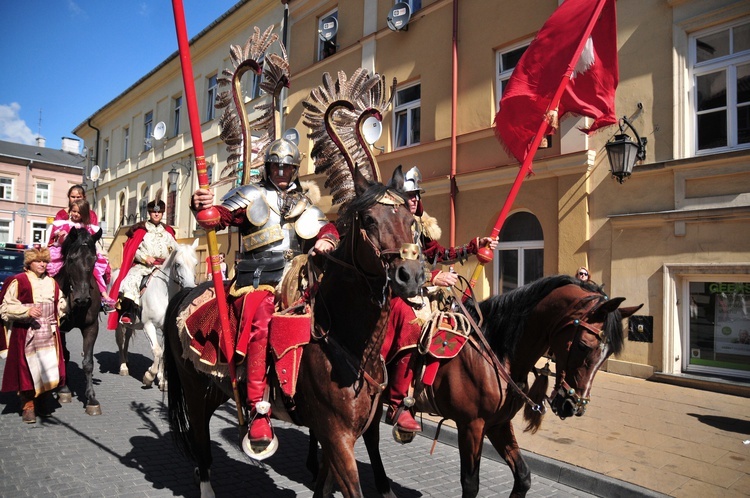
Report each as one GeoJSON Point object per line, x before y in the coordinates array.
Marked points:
{"type": "Point", "coordinates": [34, 184]}
{"type": "Point", "coordinates": [673, 236]}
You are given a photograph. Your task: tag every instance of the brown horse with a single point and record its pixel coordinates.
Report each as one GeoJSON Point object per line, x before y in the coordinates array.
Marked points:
{"type": "Point", "coordinates": [485, 385]}
{"type": "Point", "coordinates": [341, 375]}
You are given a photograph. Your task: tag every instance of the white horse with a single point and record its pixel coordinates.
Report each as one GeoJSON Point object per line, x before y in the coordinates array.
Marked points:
{"type": "Point", "coordinates": [177, 272]}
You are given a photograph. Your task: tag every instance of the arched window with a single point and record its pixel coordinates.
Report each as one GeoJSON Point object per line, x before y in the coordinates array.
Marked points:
{"type": "Point", "coordinates": [519, 259]}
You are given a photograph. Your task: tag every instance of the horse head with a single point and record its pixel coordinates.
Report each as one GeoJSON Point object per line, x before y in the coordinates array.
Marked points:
{"type": "Point", "coordinates": [79, 257]}
{"type": "Point", "coordinates": [584, 339]}
{"type": "Point", "coordinates": [379, 237]}
{"type": "Point", "coordinates": [181, 264]}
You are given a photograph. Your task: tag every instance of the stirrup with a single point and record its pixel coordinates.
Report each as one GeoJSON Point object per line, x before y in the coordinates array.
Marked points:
{"type": "Point", "coordinates": [401, 435]}
{"type": "Point", "coordinates": [261, 408]}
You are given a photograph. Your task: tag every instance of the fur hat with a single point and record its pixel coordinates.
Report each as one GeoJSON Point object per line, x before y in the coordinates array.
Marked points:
{"type": "Point", "coordinates": [35, 254]}
{"type": "Point", "coordinates": [156, 206]}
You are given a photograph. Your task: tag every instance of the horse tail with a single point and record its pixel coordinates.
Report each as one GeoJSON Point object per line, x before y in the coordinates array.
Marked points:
{"type": "Point", "coordinates": [179, 422]}
{"type": "Point", "coordinates": [537, 393]}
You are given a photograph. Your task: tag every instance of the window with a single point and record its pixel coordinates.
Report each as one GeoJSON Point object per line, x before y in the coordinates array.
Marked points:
{"type": "Point", "coordinates": [6, 189]}
{"type": "Point", "coordinates": [211, 98]}
{"type": "Point", "coordinates": [177, 106]}
{"type": "Point", "coordinates": [255, 81]}
{"type": "Point", "coordinates": [720, 75]}
{"type": "Point", "coordinates": [406, 114]}
{"type": "Point", "coordinates": [143, 205]}
{"type": "Point", "coordinates": [105, 159]}
{"type": "Point", "coordinates": [327, 29]}
{"type": "Point", "coordinates": [148, 130]}
{"type": "Point", "coordinates": [38, 233]}
{"type": "Point", "coordinates": [520, 253]}
{"type": "Point", "coordinates": [718, 329]}
{"type": "Point", "coordinates": [4, 231]}
{"type": "Point", "coordinates": [125, 143]}
{"type": "Point", "coordinates": [42, 193]}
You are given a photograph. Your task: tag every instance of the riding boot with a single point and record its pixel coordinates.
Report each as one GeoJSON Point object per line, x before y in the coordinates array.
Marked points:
{"type": "Point", "coordinates": [41, 404]}
{"type": "Point", "coordinates": [259, 431]}
{"type": "Point", "coordinates": [399, 382]}
{"type": "Point", "coordinates": [28, 415]}
{"type": "Point", "coordinates": [126, 309]}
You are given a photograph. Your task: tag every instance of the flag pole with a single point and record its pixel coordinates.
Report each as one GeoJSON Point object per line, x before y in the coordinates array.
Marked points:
{"type": "Point", "coordinates": [206, 217]}
{"type": "Point", "coordinates": [484, 254]}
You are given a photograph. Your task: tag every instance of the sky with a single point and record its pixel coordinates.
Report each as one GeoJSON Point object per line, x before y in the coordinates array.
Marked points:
{"type": "Point", "coordinates": [63, 60]}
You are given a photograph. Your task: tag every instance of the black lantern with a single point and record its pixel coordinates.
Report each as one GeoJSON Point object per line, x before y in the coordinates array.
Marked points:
{"type": "Point", "coordinates": [173, 175]}
{"type": "Point", "coordinates": [623, 152]}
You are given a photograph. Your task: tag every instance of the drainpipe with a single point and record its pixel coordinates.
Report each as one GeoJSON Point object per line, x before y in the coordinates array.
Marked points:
{"type": "Point", "coordinates": [454, 104]}
{"type": "Point", "coordinates": [25, 217]}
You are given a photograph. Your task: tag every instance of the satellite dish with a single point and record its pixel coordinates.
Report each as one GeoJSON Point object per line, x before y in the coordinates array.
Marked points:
{"type": "Point", "coordinates": [398, 17]}
{"type": "Point", "coordinates": [292, 135]}
{"type": "Point", "coordinates": [328, 28]}
{"type": "Point", "coordinates": [160, 130]}
{"type": "Point", "coordinates": [95, 173]}
{"type": "Point", "coordinates": [372, 128]}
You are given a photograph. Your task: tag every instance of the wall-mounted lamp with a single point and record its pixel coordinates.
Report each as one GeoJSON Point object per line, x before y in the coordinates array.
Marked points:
{"type": "Point", "coordinates": [623, 152]}
{"type": "Point", "coordinates": [174, 173]}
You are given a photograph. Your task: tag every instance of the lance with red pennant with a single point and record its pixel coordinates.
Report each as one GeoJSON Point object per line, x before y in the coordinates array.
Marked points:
{"type": "Point", "coordinates": [207, 218]}
{"type": "Point", "coordinates": [570, 67]}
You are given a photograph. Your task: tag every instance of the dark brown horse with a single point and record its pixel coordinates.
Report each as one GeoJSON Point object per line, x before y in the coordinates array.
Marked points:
{"type": "Point", "coordinates": [78, 284]}
{"type": "Point", "coordinates": [574, 322]}
{"type": "Point", "coordinates": [341, 375]}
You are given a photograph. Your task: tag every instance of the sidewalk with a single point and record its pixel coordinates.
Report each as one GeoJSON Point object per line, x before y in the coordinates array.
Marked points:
{"type": "Point", "coordinates": [677, 441]}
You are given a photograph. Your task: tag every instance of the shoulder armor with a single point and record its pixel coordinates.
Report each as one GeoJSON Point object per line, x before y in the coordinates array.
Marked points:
{"type": "Point", "coordinates": [310, 222]}
{"type": "Point", "coordinates": [250, 198]}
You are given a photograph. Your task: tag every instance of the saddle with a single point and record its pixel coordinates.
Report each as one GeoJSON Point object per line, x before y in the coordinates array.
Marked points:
{"type": "Point", "coordinates": [289, 330]}
{"type": "Point", "coordinates": [442, 338]}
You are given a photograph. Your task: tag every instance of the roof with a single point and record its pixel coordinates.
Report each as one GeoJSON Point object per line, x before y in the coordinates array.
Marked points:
{"type": "Point", "coordinates": [41, 155]}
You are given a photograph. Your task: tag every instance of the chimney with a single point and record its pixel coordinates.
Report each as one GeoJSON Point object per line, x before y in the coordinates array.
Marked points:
{"type": "Point", "coordinates": [40, 141]}
{"type": "Point", "coordinates": [71, 145]}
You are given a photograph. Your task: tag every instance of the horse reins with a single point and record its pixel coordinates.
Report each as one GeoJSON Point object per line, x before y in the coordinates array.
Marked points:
{"type": "Point", "coordinates": [486, 351]}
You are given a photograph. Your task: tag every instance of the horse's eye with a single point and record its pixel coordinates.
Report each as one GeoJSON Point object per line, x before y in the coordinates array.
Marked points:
{"type": "Point", "coordinates": [583, 347]}
{"type": "Point", "coordinates": [368, 221]}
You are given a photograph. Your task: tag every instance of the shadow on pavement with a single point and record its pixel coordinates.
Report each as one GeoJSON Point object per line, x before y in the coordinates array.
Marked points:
{"type": "Point", "coordinates": [724, 423]}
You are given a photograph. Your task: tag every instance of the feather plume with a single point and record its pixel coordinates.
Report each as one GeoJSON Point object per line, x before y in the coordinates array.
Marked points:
{"type": "Point", "coordinates": [365, 92]}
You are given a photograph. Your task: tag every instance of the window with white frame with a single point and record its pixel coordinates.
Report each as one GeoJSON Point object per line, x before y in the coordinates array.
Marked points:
{"type": "Point", "coordinates": [176, 110]}
{"type": "Point", "coordinates": [42, 193]}
{"type": "Point", "coordinates": [212, 85]}
{"type": "Point", "coordinates": [38, 233]}
{"type": "Point", "coordinates": [105, 159]}
{"type": "Point", "coordinates": [5, 231]}
{"type": "Point", "coordinates": [254, 90]}
{"type": "Point", "coordinates": [125, 143]}
{"type": "Point", "coordinates": [406, 115]}
{"type": "Point", "coordinates": [327, 45]}
{"type": "Point", "coordinates": [148, 130]}
{"type": "Point", "coordinates": [6, 189]}
{"type": "Point", "coordinates": [720, 78]}
{"type": "Point", "coordinates": [520, 253]}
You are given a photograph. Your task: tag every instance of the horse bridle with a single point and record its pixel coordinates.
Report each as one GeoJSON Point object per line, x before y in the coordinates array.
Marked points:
{"type": "Point", "coordinates": [407, 251]}
{"type": "Point", "coordinates": [562, 388]}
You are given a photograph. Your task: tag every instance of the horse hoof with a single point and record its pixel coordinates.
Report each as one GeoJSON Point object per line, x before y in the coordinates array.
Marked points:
{"type": "Point", "coordinates": [93, 410]}
{"type": "Point", "coordinates": [65, 397]}
{"type": "Point", "coordinates": [124, 371]}
{"type": "Point", "coordinates": [148, 378]}
{"type": "Point", "coordinates": [163, 387]}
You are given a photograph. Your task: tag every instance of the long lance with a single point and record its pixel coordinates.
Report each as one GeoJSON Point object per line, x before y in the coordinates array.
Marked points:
{"type": "Point", "coordinates": [484, 255]}
{"type": "Point", "coordinates": [206, 218]}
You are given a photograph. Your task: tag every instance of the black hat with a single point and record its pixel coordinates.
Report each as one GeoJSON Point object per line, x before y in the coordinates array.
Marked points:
{"type": "Point", "coordinates": [156, 207]}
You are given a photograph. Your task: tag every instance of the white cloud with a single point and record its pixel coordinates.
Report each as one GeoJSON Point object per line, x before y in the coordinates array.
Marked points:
{"type": "Point", "coordinates": [12, 127]}
{"type": "Point", "coordinates": [74, 8]}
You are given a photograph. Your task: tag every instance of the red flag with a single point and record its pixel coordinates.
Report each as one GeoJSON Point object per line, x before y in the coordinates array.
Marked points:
{"type": "Point", "coordinates": [550, 58]}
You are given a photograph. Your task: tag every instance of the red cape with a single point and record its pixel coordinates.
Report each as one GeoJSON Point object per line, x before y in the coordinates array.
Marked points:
{"type": "Point", "coordinates": [135, 237]}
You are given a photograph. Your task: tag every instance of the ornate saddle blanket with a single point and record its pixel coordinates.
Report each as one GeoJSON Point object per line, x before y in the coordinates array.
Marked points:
{"type": "Point", "coordinates": [199, 325]}
{"type": "Point", "coordinates": [442, 338]}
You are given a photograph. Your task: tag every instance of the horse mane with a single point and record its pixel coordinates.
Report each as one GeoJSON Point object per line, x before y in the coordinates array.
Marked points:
{"type": "Point", "coordinates": [506, 314]}
{"type": "Point", "coordinates": [362, 201]}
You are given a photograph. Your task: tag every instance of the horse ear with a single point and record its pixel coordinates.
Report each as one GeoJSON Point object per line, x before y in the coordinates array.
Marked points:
{"type": "Point", "coordinates": [397, 180]}
{"type": "Point", "coordinates": [98, 235]}
{"type": "Point", "coordinates": [195, 244]}
{"type": "Point", "coordinates": [609, 305]}
{"type": "Point", "coordinates": [626, 312]}
{"type": "Point", "coordinates": [360, 182]}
